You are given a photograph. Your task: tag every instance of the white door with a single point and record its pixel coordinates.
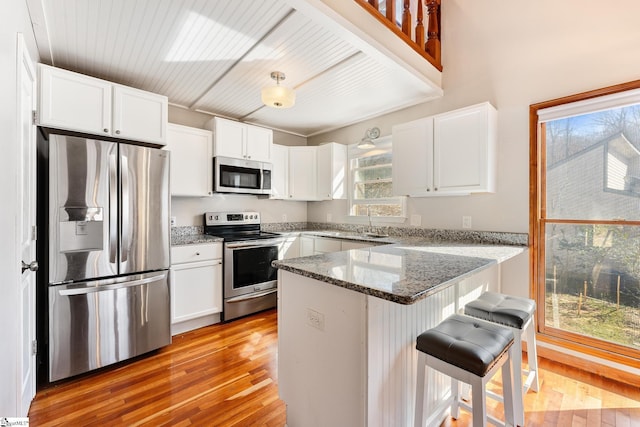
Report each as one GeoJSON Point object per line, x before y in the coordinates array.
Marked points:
{"type": "Point", "coordinates": [26, 226]}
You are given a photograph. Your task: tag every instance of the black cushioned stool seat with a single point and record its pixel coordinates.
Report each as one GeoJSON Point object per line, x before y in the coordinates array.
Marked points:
{"type": "Point", "coordinates": [517, 313]}
{"type": "Point", "coordinates": [468, 350]}
{"type": "Point", "coordinates": [506, 310]}
{"type": "Point", "coordinates": [466, 343]}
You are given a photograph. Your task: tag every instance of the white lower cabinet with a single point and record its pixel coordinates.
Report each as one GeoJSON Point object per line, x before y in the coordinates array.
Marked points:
{"type": "Point", "coordinates": [196, 286]}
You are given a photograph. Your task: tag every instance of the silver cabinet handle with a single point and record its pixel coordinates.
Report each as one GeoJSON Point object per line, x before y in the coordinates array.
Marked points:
{"type": "Point", "coordinates": [33, 266]}
{"type": "Point", "coordinates": [197, 253]}
{"type": "Point", "coordinates": [105, 130]}
{"type": "Point", "coordinates": [118, 132]}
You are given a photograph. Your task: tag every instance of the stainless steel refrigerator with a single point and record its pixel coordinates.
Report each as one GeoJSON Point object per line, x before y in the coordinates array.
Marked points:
{"type": "Point", "coordinates": [107, 252]}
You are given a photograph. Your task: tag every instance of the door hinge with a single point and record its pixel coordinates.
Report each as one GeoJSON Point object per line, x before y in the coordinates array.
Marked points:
{"type": "Point", "coordinates": [34, 347]}
{"type": "Point", "coordinates": [34, 115]}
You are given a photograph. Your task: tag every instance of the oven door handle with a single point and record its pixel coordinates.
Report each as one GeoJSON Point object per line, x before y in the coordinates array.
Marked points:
{"type": "Point", "coordinates": [253, 244]}
{"type": "Point", "coordinates": [251, 296]}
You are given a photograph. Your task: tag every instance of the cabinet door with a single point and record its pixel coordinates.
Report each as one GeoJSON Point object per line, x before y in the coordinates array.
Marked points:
{"type": "Point", "coordinates": [74, 101]}
{"type": "Point", "coordinates": [139, 115]}
{"type": "Point", "coordinates": [302, 173]}
{"type": "Point", "coordinates": [191, 160]}
{"type": "Point", "coordinates": [306, 245]}
{"type": "Point", "coordinates": [196, 290]}
{"type": "Point", "coordinates": [258, 143]}
{"type": "Point", "coordinates": [332, 171]}
{"type": "Point", "coordinates": [464, 150]}
{"type": "Point", "coordinates": [292, 248]}
{"type": "Point", "coordinates": [413, 158]}
{"type": "Point", "coordinates": [229, 138]}
{"type": "Point", "coordinates": [280, 172]}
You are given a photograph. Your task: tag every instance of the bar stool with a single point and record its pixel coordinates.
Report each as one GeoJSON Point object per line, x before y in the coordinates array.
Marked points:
{"type": "Point", "coordinates": [468, 350]}
{"type": "Point", "coordinates": [518, 314]}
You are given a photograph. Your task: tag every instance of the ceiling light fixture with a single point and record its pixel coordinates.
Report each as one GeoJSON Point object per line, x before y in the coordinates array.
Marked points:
{"type": "Point", "coordinates": [278, 96]}
{"type": "Point", "coordinates": [369, 136]}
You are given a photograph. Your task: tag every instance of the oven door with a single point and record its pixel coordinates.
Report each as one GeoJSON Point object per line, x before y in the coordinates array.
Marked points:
{"type": "Point", "coordinates": [247, 266]}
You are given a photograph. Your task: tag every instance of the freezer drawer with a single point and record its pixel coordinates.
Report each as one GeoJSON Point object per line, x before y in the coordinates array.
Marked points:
{"type": "Point", "coordinates": [97, 323]}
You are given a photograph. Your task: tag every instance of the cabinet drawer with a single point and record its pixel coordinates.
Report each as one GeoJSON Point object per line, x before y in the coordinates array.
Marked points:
{"type": "Point", "coordinates": [327, 245]}
{"type": "Point", "coordinates": [193, 253]}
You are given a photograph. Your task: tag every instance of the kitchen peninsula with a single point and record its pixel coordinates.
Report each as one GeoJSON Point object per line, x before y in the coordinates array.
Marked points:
{"type": "Point", "coordinates": [347, 323]}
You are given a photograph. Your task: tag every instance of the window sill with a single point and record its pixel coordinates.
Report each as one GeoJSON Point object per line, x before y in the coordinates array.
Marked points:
{"type": "Point", "coordinates": [358, 219]}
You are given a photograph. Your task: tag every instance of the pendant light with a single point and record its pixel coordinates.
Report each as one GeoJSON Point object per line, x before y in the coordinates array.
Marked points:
{"type": "Point", "coordinates": [369, 136]}
{"type": "Point", "coordinates": [278, 96]}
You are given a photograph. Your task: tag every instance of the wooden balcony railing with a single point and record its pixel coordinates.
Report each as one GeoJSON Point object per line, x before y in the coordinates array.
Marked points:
{"type": "Point", "coordinates": [397, 16]}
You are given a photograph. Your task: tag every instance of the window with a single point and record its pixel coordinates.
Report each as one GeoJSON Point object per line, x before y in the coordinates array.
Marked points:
{"type": "Point", "coordinates": [370, 182]}
{"type": "Point", "coordinates": [585, 220]}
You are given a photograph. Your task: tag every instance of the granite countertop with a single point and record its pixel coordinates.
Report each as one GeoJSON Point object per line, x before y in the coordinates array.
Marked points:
{"type": "Point", "coordinates": [193, 239]}
{"type": "Point", "coordinates": [404, 272]}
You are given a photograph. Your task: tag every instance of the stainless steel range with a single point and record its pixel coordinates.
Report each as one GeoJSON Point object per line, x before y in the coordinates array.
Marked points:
{"type": "Point", "coordinates": [250, 282]}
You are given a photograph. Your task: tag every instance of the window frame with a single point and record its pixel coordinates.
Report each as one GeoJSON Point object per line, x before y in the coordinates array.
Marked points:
{"type": "Point", "coordinates": [582, 103]}
{"type": "Point", "coordinates": [353, 151]}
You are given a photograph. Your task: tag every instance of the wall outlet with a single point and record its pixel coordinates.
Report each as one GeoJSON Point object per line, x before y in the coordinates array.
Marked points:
{"type": "Point", "coordinates": [284, 217]}
{"type": "Point", "coordinates": [173, 221]}
{"type": "Point", "coordinates": [315, 319]}
{"type": "Point", "coordinates": [466, 222]}
{"type": "Point", "coordinates": [329, 217]}
{"type": "Point", "coordinates": [416, 220]}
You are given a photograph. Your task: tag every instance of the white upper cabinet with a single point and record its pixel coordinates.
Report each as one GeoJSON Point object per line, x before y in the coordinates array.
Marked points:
{"type": "Point", "coordinates": [464, 151]}
{"type": "Point", "coordinates": [191, 160]}
{"type": "Point", "coordinates": [241, 141]}
{"type": "Point", "coordinates": [139, 115]}
{"type": "Point", "coordinates": [332, 171]}
{"type": "Point", "coordinates": [259, 143]}
{"type": "Point", "coordinates": [448, 154]}
{"type": "Point", "coordinates": [413, 158]}
{"type": "Point", "coordinates": [76, 102]}
{"type": "Point", "coordinates": [302, 173]}
{"type": "Point", "coordinates": [279, 172]}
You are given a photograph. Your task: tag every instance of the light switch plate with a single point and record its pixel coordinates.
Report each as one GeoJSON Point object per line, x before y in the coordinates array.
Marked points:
{"type": "Point", "coordinates": [284, 217]}
{"type": "Point", "coordinates": [466, 222]}
{"type": "Point", "coordinates": [173, 221]}
{"type": "Point", "coordinates": [329, 217]}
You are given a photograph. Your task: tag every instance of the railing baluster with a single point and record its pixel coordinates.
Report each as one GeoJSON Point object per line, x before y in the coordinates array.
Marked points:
{"type": "Point", "coordinates": [433, 31]}
{"type": "Point", "coordinates": [391, 11]}
{"type": "Point", "coordinates": [406, 18]}
{"type": "Point", "coordinates": [429, 46]}
{"type": "Point", "coordinates": [420, 41]}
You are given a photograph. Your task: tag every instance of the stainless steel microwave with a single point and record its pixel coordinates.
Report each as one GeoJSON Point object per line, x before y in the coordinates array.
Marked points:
{"type": "Point", "coordinates": [241, 176]}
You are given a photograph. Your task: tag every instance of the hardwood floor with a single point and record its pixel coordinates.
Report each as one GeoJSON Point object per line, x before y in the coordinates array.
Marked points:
{"type": "Point", "coordinates": [221, 375]}
{"type": "Point", "coordinates": [225, 375]}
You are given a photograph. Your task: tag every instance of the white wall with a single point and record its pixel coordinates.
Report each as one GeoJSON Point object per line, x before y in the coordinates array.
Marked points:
{"type": "Point", "coordinates": [512, 54]}
{"type": "Point", "coordinates": [14, 19]}
{"type": "Point", "coordinates": [190, 210]}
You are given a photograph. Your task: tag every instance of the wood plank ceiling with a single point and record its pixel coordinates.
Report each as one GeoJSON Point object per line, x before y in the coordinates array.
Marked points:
{"type": "Point", "coordinates": [214, 56]}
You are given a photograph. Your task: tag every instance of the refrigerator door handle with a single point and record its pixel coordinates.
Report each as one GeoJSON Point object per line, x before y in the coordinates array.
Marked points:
{"type": "Point", "coordinates": [113, 205]}
{"type": "Point", "coordinates": [125, 208]}
{"type": "Point", "coordinates": [92, 289]}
